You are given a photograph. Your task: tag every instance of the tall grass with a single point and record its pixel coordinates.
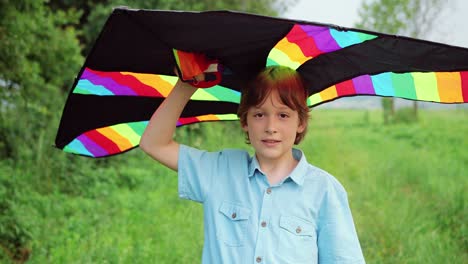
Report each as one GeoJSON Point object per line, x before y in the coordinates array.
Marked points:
{"type": "Point", "coordinates": [406, 185]}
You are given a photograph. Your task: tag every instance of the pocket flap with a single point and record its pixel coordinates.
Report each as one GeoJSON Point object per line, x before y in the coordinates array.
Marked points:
{"type": "Point", "coordinates": [234, 211]}
{"type": "Point", "coordinates": [297, 226]}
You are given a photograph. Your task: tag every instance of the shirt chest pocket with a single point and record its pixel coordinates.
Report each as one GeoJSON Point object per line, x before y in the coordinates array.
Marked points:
{"type": "Point", "coordinates": [231, 224]}
{"type": "Point", "coordinates": [297, 239]}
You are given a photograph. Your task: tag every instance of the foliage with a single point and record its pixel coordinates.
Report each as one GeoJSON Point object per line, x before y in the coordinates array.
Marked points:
{"type": "Point", "coordinates": [14, 237]}
{"type": "Point", "coordinates": [42, 43]}
{"type": "Point", "coordinates": [39, 55]}
{"type": "Point", "coordinates": [38, 59]}
{"type": "Point", "coordinates": [95, 13]}
{"type": "Point", "coordinates": [413, 18]}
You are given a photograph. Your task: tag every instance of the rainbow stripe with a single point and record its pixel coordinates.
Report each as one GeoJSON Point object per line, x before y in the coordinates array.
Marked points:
{"type": "Point", "coordinates": [304, 42]}
{"type": "Point", "coordinates": [122, 83]}
{"type": "Point", "coordinates": [107, 140]}
{"type": "Point", "coordinates": [122, 137]}
{"type": "Point", "coordinates": [101, 83]}
{"type": "Point", "coordinates": [440, 87]}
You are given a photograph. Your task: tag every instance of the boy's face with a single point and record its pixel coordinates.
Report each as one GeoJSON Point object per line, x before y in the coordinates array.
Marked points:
{"type": "Point", "coordinates": [272, 129]}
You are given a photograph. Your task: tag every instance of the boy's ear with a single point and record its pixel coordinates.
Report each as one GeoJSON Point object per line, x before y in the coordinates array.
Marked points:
{"type": "Point", "coordinates": [300, 127]}
{"type": "Point", "coordinates": [245, 127]}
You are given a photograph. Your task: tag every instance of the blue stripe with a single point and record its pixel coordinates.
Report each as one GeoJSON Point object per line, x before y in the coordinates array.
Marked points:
{"type": "Point", "coordinates": [77, 147]}
{"type": "Point", "coordinates": [88, 86]}
{"type": "Point", "coordinates": [383, 84]}
{"type": "Point", "coordinates": [345, 38]}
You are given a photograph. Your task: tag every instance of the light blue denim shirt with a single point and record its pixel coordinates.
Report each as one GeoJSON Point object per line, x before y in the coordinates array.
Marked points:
{"type": "Point", "coordinates": [304, 219]}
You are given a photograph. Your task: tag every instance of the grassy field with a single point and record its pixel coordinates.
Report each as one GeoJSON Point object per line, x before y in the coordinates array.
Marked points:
{"type": "Point", "coordinates": [406, 184]}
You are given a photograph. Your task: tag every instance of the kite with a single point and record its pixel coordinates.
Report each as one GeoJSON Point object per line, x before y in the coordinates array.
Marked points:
{"type": "Point", "coordinates": [130, 70]}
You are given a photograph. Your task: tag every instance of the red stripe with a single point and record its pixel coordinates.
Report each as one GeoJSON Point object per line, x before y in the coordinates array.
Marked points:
{"type": "Point", "coordinates": [103, 141]}
{"type": "Point", "coordinates": [464, 85]}
{"type": "Point", "coordinates": [188, 120]}
{"type": "Point", "coordinates": [345, 88]}
{"type": "Point", "coordinates": [131, 82]}
{"type": "Point", "coordinates": [306, 43]}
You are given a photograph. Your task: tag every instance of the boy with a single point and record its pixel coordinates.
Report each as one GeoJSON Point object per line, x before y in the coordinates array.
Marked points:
{"type": "Point", "coordinates": [273, 207]}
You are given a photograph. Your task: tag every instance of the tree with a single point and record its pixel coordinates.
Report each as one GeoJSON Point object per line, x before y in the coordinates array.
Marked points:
{"type": "Point", "coordinates": [41, 47]}
{"type": "Point", "coordinates": [412, 18]}
{"type": "Point", "coordinates": [39, 55]}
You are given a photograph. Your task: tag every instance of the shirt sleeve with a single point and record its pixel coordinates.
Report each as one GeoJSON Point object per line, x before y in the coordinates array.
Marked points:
{"type": "Point", "coordinates": [337, 238]}
{"type": "Point", "coordinates": [196, 172]}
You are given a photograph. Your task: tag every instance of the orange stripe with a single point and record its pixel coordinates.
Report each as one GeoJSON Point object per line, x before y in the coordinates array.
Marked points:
{"type": "Point", "coordinates": [121, 142]}
{"type": "Point", "coordinates": [292, 50]}
{"type": "Point", "coordinates": [449, 86]}
{"type": "Point", "coordinates": [154, 81]}
{"type": "Point", "coordinates": [208, 118]}
{"type": "Point", "coordinates": [329, 93]}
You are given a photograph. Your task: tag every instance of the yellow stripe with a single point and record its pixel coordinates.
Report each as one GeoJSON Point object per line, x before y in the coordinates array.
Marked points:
{"type": "Point", "coordinates": [449, 87]}
{"type": "Point", "coordinates": [130, 134]}
{"type": "Point", "coordinates": [292, 51]}
{"type": "Point", "coordinates": [283, 59]}
{"type": "Point", "coordinates": [121, 142]}
{"type": "Point", "coordinates": [314, 99]}
{"type": "Point", "coordinates": [329, 93]}
{"type": "Point", "coordinates": [425, 84]}
{"type": "Point", "coordinates": [203, 95]}
{"type": "Point", "coordinates": [170, 79]}
{"type": "Point", "coordinates": [217, 117]}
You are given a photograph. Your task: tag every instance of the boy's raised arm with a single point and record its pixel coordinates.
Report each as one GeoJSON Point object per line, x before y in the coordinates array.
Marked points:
{"type": "Point", "coordinates": [157, 140]}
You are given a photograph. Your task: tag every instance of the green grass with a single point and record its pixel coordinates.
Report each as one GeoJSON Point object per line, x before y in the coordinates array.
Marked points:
{"type": "Point", "coordinates": [406, 185]}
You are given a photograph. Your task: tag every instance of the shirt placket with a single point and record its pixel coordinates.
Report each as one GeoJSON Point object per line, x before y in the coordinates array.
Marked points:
{"type": "Point", "coordinates": [264, 230]}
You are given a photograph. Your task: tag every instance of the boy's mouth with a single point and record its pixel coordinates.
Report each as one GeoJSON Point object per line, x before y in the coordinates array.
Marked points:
{"type": "Point", "coordinates": [270, 142]}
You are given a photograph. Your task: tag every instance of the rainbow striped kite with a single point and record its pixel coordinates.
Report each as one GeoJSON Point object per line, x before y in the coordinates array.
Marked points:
{"type": "Point", "coordinates": [129, 71]}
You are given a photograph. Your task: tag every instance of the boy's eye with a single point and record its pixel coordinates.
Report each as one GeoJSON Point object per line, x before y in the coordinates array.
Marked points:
{"type": "Point", "coordinates": [258, 115]}
{"type": "Point", "coordinates": [283, 115]}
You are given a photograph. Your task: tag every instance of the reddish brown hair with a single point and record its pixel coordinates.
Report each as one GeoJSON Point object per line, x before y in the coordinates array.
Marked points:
{"type": "Point", "coordinates": [290, 88]}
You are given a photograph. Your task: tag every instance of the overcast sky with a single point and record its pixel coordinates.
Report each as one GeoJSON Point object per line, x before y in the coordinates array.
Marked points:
{"type": "Point", "coordinates": [451, 27]}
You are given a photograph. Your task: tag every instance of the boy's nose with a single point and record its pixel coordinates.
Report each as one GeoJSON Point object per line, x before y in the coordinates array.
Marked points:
{"type": "Point", "coordinates": [270, 128]}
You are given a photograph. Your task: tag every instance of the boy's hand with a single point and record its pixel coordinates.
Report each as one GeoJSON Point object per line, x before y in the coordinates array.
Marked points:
{"type": "Point", "coordinates": [197, 70]}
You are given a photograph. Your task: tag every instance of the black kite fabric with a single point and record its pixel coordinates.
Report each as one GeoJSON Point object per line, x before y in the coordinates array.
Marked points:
{"type": "Point", "coordinates": [129, 71]}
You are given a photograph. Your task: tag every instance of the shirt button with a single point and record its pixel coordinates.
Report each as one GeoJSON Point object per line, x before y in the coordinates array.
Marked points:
{"type": "Point", "coordinates": [298, 229]}
{"type": "Point", "coordinates": [234, 215]}
{"type": "Point", "coordinates": [268, 190]}
{"type": "Point", "coordinates": [264, 224]}
{"type": "Point", "coordinates": [258, 259]}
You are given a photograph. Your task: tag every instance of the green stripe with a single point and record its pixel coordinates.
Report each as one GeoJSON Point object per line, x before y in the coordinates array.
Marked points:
{"type": "Point", "coordinates": [176, 56]}
{"type": "Point", "coordinates": [126, 131]}
{"type": "Point", "coordinates": [203, 95]}
{"type": "Point", "coordinates": [224, 94]}
{"type": "Point", "coordinates": [138, 127]}
{"type": "Point", "coordinates": [365, 37]}
{"type": "Point", "coordinates": [78, 90]}
{"type": "Point", "coordinates": [283, 59]}
{"type": "Point", "coordinates": [271, 62]}
{"type": "Point", "coordinates": [403, 85]}
{"type": "Point", "coordinates": [170, 79]}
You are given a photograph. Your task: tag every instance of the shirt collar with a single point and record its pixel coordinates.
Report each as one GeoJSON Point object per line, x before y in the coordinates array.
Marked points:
{"type": "Point", "coordinates": [297, 174]}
